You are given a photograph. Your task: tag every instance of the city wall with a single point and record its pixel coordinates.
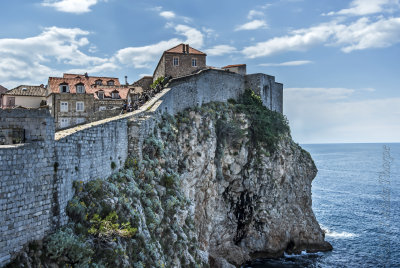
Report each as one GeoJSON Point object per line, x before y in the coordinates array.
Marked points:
{"type": "Point", "coordinates": [36, 177]}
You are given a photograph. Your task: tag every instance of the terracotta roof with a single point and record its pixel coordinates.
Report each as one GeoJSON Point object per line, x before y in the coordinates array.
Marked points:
{"type": "Point", "coordinates": [180, 48]}
{"type": "Point", "coordinates": [2, 89]}
{"type": "Point", "coordinates": [24, 90]}
{"type": "Point", "coordinates": [90, 85]}
{"type": "Point", "coordinates": [231, 66]}
{"type": "Point", "coordinates": [122, 90]}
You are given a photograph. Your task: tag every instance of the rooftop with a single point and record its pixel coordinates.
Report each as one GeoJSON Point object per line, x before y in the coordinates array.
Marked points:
{"type": "Point", "coordinates": [234, 65]}
{"type": "Point", "coordinates": [181, 49]}
{"type": "Point", "coordinates": [24, 90]}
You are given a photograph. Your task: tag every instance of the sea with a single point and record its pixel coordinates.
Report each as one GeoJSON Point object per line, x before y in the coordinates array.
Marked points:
{"type": "Point", "coordinates": [356, 200]}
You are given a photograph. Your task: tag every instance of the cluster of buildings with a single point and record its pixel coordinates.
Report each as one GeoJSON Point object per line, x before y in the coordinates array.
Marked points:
{"type": "Point", "coordinates": [75, 99]}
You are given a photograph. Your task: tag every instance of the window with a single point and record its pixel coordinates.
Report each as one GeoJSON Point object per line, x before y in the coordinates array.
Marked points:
{"type": "Point", "coordinates": [64, 88]}
{"type": "Point", "coordinates": [98, 82]}
{"type": "Point", "coordinates": [80, 120]}
{"type": "Point", "coordinates": [80, 107]}
{"type": "Point", "coordinates": [176, 61]}
{"type": "Point", "coordinates": [115, 95]}
{"type": "Point", "coordinates": [100, 94]}
{"type": "Point", "coordinates": [102, 108]}
{"type": "Point", "coordinates": [64, 122]}
{"type": "Point", "coordinates": [110, 83]}
{"type": "Point", "coordinates": [80, 88]}
{"type": "Point", "coordinates": [194, 62]}
{"type": "Point", "coordinates": [64, 106]}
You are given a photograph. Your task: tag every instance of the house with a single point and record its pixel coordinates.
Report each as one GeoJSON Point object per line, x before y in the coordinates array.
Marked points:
{"type": "Point", "coordinates": [25, 96]}
{"type": "Point", "coordinates": [73, 99]}
{"type": "Point", "coordinates": [179, 61]}
{"type": "Point", "coordinates": [2, 91]}
{"type": "Point", "coordinates": [237, 68]}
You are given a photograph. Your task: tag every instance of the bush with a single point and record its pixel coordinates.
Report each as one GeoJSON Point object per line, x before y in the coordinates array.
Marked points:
{"type": "Point", "coordinates": [266, 126]}
{"type": "Point", "coordinates": [66, 246]}
{"type": "Point", "coordinates": [110, 227]}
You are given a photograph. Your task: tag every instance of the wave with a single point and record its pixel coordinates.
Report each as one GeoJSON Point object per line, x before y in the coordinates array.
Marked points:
{"type": "Point", "coordinates": [329, 233]}
{"type": "Point", "coordinates": [302, 254]}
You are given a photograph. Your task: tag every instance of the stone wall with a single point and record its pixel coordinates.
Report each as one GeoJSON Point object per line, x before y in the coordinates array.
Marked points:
{"type": "Point", "coordinates": [270, 91]}
{"type": "Point", "coordinates": [36, 178]}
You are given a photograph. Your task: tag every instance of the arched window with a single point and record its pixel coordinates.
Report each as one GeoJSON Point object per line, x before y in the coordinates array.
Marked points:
{"type": "Point", "coordinates": [80, 88]}
{"type": "Point", "coordinates": [64, 88]}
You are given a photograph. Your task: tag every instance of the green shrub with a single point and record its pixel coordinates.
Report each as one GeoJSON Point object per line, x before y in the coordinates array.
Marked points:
{"type": "Point", "coordinates": [110, 227]}
{"type": "Point", "coordinates": [65, 246]}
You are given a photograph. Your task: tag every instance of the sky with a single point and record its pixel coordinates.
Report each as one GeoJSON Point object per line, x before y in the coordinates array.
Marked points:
{"type": "Point", "coordinates": [339, 60]}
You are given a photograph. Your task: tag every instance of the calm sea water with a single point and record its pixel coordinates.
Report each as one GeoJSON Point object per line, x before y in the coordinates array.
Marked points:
{"type": "Point", "coordinates": [351, 203]}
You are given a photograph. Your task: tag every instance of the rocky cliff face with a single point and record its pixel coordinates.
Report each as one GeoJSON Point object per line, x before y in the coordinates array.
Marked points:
{"type": "Point", "coordinates": [218, 186]}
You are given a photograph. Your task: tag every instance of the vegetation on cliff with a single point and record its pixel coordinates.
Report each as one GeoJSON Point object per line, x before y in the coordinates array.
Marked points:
{"type": "Point", "coordinates": [140, 216]}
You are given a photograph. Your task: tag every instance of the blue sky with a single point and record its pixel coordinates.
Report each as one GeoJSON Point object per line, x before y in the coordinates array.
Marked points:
{"type": "Point", "coordinates": [338, 60]}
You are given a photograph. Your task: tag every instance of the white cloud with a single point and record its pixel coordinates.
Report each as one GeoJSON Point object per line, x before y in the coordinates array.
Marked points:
{"type": "Point", "coordinates": [220, 50]}
{"type": "Point", "coordinates": [145, 56]}
{"type": "Point", "coordinates": [30, 59]}
{"type": "Point", "coordinates": [252, 25]}
{"type": "Point", "coordinates": [71, 6]}
{"type": "Point", "coordinates": [363, 34]}
{"type": "Point", "coordinates": [366, 7]}
{"type": "Point", "coordinates": [322, 115]}
{"type": "Point", "coordinates": [287, 63]}
{"type": "Point", "coordinates": [254, 13]}
{"type": "Point", "coordinates": [167, 14]}
{"type": "Point", "coordinates": [358, 35]}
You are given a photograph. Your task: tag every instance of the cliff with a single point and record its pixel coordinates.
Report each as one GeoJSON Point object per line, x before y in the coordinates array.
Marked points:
{"type": "Point", "coordinates": [218, 186]}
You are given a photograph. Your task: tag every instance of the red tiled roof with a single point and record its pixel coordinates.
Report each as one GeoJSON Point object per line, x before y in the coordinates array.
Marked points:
{"type": "Point", "coordinates": [90, 85]}
{"type": "Point", "coordinates": [234, 65]}
{"type": "Point", "coordinates": [122, 90]}
{"type": "Point", "coordinates": [23, 90]}
{"type": "Point", "coordinates": [179, 49]}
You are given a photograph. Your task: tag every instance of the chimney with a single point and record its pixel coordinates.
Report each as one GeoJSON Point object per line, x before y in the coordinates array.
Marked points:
{"type": "Point", "coordinates": [187, 48]}
{"type": "Point", "coordinates": [183, 48]}
{"type": "Point", "coordinates": [126, 80]}
{"type": "Point", "coordinates": [86, 75]}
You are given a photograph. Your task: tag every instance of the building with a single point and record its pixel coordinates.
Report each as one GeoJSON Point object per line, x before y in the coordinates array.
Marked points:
{"type": "Point", "coordinates": [25, 96]}
{"type": "Point", "coordinates": [237, 68]}
{"type": "Point", "coordinates": [179, 61]}
{"type": "Point", "coordinates": [144, 83]}
{"type": "Point", "coordinates": [74, 99]}
{"type": "Point", "coordinates": [2, 91]}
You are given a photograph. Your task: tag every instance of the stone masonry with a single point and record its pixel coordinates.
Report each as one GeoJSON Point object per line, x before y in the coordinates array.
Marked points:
{"type": "Point", "coordinates": [36, 177]}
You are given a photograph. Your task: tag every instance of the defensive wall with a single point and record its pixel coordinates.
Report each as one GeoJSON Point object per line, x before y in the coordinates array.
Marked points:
{"type": "Point", "coordinates": [36, 177]}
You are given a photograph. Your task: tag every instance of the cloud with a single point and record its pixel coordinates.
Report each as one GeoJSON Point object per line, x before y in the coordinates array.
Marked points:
{"type": "Point", "coordinates": [167, 14]}
{"type": "Point", "coordinates": [220, 50]}
{"type": "Point", "coordinates": [367, 7]}
{"type": "Point", "coordinates": [358, 35]}
{"type": "Point", "coordinates": [254, 13]}
{"type": "Point", "coordinates": [287, 63]}
{"type": "Point", "coordinates": [145, 56]}
{"type": "Point", "coordinates": [363, 34]}
{"type": "Point", "coordinates": [30, 59]}
{"type": "Point", "coordinates": [323, 115]}
{"type": "Point", "coordinates": [252, 25]}
{"type": "Point", "coordinates": [71, 6]}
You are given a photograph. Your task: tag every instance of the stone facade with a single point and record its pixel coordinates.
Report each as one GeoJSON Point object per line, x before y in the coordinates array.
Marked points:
{"type": "Point", "coordinates": [2, 91]}
{"type": "Point", "coordinates": [144, 82]}
{"type": "Point", "coordinates": [180, 61]}
{"type": "Point", "coordinates": [36, 177]}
